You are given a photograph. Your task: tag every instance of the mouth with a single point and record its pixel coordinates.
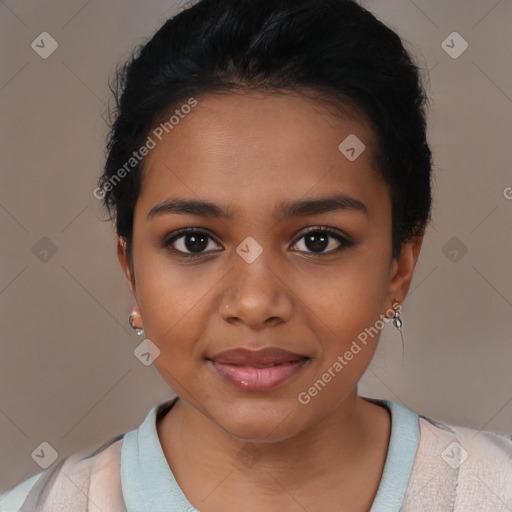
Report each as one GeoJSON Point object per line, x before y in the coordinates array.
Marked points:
{"type": "Point", "coordinates": [260, 370]}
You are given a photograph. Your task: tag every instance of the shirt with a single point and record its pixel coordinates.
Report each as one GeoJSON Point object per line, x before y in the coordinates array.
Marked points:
{"type": "Point", "coordinates": [430, 467]}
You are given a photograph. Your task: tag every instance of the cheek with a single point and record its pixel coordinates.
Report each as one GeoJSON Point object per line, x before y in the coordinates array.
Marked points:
{"type": "Point", "coordinates": [171, 297]}
{"type": "Point", "coordinates": [347, 333]}
{"type": "Point", "coordinates": [349, 294]}
{"type": "Point", "coordinates": [345, 307]}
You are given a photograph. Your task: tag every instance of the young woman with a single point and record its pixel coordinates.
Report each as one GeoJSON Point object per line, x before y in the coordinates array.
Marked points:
{"type": "Point", "coordinates": [269, 177]}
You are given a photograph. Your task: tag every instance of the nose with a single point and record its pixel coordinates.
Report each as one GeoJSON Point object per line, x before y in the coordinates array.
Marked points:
{"type": "Point", "coordinates": [256, 295]}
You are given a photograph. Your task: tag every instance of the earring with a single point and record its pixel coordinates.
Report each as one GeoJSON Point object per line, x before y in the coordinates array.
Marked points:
{"type": "Point", "coordinates": [397, 322]}
{"type": "Point", "coordinates": [131, 320]}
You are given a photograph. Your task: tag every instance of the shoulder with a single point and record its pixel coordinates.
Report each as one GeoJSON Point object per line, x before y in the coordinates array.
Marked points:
{"type": "Point", "coordinates": [477, 447]}
{"type": "Point", "coordinates": [461, 468]}
{"type": "Point", "coordinates": [71, 483]}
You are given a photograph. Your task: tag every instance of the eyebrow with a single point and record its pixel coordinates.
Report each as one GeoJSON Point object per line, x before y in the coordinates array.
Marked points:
{"type": "Point", "coordinates": [288, 209]}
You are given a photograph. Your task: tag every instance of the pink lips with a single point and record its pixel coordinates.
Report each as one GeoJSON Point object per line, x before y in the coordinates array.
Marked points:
{"type": "Point", "coordinates": [257, 370]}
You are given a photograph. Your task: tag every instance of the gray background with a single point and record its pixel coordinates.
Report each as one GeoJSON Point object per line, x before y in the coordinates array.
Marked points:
{"type": "Point", "coordinates": [68, 375]}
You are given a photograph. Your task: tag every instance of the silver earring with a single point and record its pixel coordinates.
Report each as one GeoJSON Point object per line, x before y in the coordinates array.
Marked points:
{"type": "Point", "coordinates": [397, 322]}
{"type": "Point", "coordinates": [131, 319]}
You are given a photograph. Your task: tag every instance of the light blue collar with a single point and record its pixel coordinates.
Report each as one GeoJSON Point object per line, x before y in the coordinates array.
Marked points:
{"type": "Point", "coordinates": [148, 483]}
{"type": "Point", "coordinates": [403, 445]}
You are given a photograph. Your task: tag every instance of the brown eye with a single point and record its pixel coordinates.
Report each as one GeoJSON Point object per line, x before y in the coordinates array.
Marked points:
{"type": "Point", "coordinates": [190, 242]}
{"type": "Point", "coordinates": [318, 239]}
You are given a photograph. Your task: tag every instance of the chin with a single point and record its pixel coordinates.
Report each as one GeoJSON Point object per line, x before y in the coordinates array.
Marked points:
{"type": "Point", "coordinates": [268, 420]}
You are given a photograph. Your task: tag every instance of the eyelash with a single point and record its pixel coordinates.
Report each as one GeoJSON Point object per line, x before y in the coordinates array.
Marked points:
{"type": "Point", "coordinates": [169, 240]}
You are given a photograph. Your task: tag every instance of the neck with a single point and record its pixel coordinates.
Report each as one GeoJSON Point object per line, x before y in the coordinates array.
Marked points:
{"type": "Point", "coordinates": [344, 445]}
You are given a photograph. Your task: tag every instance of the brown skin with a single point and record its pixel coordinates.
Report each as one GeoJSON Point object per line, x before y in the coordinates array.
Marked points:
{"type": "Point", "coordinates": [252, 152]}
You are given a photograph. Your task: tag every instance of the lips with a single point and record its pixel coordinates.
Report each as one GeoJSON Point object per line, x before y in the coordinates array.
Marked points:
{"type": "Point", "coordinates": [266, 357]}
{"type": "Point", "coordinates": [257, 370]}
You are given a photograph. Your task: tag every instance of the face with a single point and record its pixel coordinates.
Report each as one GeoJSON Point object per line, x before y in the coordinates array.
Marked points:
{"type": "Point", "coordinates": [254, 269]}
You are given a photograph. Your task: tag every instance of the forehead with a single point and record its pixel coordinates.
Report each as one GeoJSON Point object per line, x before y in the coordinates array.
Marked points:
{"type": "Point", "coordinates": [250, 149]}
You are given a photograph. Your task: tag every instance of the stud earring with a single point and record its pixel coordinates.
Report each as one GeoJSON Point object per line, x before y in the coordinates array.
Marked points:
{"type": "Point", "coordinates": [135, 315]}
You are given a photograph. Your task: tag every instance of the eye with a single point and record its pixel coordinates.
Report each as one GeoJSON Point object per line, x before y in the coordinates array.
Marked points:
{"type": "Point", "coordinates": [316, 240]}
{"type": "Point", "coordinates": [189, 242]}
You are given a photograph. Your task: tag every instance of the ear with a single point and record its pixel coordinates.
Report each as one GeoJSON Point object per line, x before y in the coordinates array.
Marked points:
{"type": "Point", "coordinates": [402, 269]}
{"type": "Point", "coordinates": [123, 260]}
